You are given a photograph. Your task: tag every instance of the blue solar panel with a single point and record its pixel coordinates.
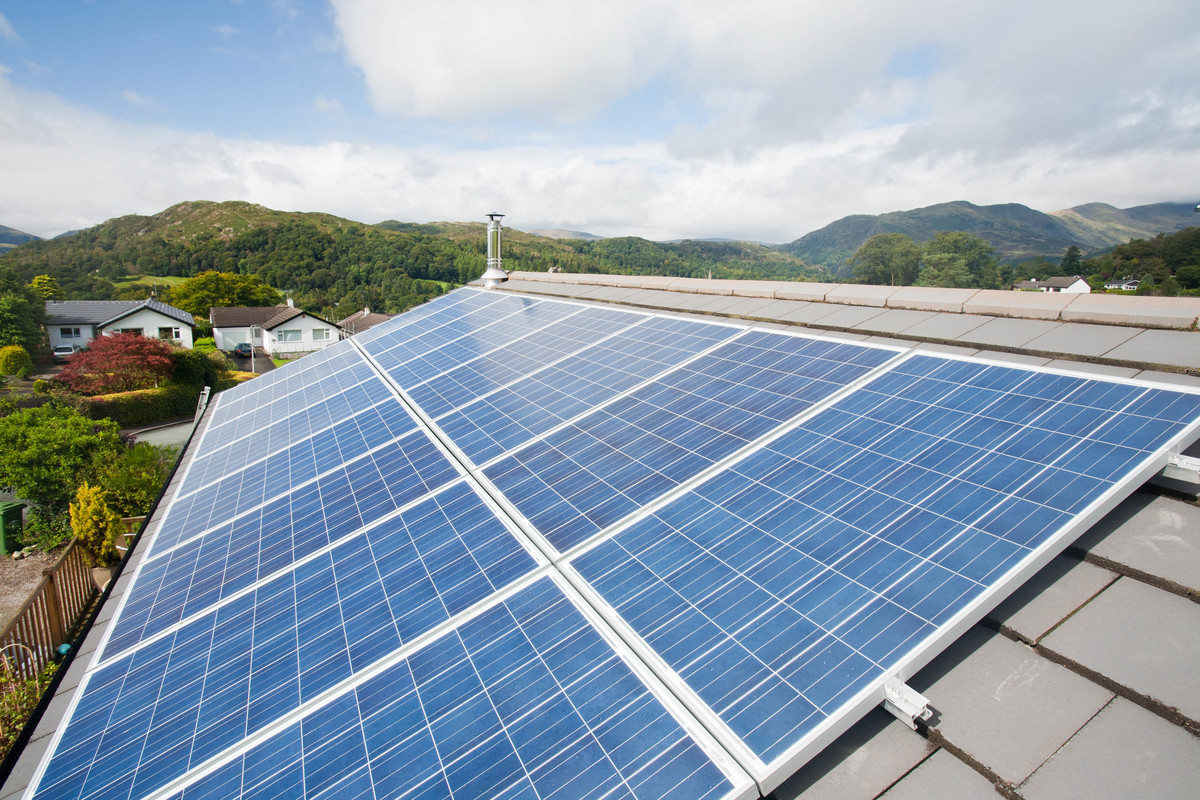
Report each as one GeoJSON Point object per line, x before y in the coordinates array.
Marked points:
{"type": "Point", "coordinates": [514, 414]}
{"type": "Point", "coordinates": [461, 384]}
{"type": "Point", "coordinates": [233, 555]}
{"type": "Point", "coordinates": [597, 470]}
{"type": "Point", "coordinates": [797, 577]}
{"type": "Point", "coordinates": [524, 701]}
{"type": "Point", "coordinates": [231, 670]}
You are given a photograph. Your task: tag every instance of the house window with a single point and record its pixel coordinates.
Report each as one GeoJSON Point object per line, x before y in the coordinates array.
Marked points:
{"type": "Point", "coordinates": [69, 333]}
{"type": "Point", "coordinates": [169, 333]}
{"type": "Point", "coordinates": [320, 334]}
{"type": "Point", "coordinates": [290, 336]}
{"type": "Point", "coordinates": [138, 331]}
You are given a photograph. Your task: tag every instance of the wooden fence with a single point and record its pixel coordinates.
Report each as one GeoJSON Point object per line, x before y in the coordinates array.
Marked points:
{"type": "Point", "coordinates": [49, 616]}
{"type": "Point", "coordinates": [44, 622]}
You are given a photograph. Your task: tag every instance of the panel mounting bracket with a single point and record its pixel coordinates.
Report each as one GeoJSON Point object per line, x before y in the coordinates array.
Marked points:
{"type": "Point", "coordinates": [905, 704]}
{"type": "Point", "coordinates": [1182, 468]}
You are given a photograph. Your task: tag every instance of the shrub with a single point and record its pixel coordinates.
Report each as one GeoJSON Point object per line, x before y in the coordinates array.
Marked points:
{"type": "Point", "coordinates": [40, 386]}
{"type": "Point", "coordinates": [23, 373]}
{"type": "Point", "coordinates": [18, 697]}
{"type": "Point", "coordinates": [194, 368]}
{"type": "Point", "coordinates": [134, 479]}
{"type": "Point", "coordinates": [46, 530]}
{"type": "Point", "coordinates": [46, 452]}
{"type": "Point", "coordinates": [205, 345]}
{"type": "Point", "coordinates": [96, 526]}
{"type": "Point", "coordinates": [13, 358]}
{"type": "Point", "coordinates": [142, 407]}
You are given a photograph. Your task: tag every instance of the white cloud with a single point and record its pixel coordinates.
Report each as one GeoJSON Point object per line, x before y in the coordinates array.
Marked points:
{"type": "Point", "coordinates": [7, 31]}
{"type": "Point", "coordinates": [226, 31]}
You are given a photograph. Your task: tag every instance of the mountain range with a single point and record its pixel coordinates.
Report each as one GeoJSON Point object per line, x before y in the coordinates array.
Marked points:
{"type": "Point", "coordinates": [1016, 232]}
{"type": "Point", "coordinates": [11, 237]}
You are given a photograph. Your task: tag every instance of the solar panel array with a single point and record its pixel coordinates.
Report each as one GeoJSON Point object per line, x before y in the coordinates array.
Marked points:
{"type": "Point", "coordinates": [515, 547]}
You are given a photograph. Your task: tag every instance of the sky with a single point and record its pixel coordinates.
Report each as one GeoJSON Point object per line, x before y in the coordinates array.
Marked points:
{"type": "Point", "coordinates": [760, 120]}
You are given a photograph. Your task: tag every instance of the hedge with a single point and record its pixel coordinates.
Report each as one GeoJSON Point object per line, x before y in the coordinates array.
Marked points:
{"type": "Point", "coordinates": [142, 406]}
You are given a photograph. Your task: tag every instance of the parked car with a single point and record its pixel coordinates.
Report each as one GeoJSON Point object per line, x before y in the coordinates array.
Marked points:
{"type": "Point", "coordinates": [62, 352]}
{"type": "Point", "coordinates": [243, 350]}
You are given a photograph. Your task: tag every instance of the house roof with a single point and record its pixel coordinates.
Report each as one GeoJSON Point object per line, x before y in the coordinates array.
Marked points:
{"type": "Point", "coordinates": [266, 317]}
{"type": "Point", "coordinates": [1061, 282]}
{"type": "Point", "coordinates": [1082, 683]}
{"type": "Point", "coordinates": [106, 312]}
{"type": "Point", "coordinates": [362, 320]}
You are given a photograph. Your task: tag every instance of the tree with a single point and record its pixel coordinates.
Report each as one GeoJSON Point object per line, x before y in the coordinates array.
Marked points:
{"type": "Point", "coordinates": [891, 259]}
{"type": "Point", "coordinates": [974, 254]}
{"type": "Point", "coordinates": [96, 526]}
{"type": "Point", "coordinates": [221, 289]}
{"type": "Point", "coordinates": [118, 363]}
{"type": "Point", "coordinates": [47, 288]}
{"type": "Point", "coordinates": [47, 451]}
{"type": "Point", "coordinates": [946, 270]}
{"type": "Point", "coordinates": [1070, 262]}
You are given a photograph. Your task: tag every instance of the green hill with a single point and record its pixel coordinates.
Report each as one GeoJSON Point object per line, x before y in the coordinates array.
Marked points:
{"type": "Point", "coordinates": [1017, 232]}
{"type": "Point", "coordinates": [335, 266]}
{"type": "Point", "coordinates": [11, 237]}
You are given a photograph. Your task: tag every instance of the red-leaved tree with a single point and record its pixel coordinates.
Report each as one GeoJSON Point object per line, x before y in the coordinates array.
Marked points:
{"type": "Point", "coordinates": [118, 363]}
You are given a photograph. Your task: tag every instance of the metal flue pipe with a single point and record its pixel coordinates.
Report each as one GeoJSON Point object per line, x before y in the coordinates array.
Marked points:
{"type": "Point", "coordinates": [495, 273]}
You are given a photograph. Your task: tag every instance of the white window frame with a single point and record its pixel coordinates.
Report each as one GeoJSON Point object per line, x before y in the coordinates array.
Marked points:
{"type": "Point", "coordinates": [295, 335]}
{"type": "Point", "coordinates": [174, 334]}
{"type": "Point", "coordinates": [320, 334]}
{"type": "Point", "coordinates": [69, 333]}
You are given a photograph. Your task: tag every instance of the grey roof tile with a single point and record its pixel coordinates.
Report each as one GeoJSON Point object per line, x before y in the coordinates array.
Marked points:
{"type": "Point", "coordinates": [876, 752]}
{"type": "Point", "coordinates": [1050, 596]}
{"type": "Point", "coordinates": [991, 691]}
{"type": "Point", "coordinates": [1124, 752]}
{"type": "Point", "coordinates": [1177, 348]}
{"type": "Point", "coordinates": [1155, 536]}
{"type": "Point", "coordinates": [942, 776]}
{"type": "Point", "coordinates": [1139, 637]}
{"type": "Point", "coordinates": [1079, 339]}
{"type": "Point", "coordinates": [1005, 332]}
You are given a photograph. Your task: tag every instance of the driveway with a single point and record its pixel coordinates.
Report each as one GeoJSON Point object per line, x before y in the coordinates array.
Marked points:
{"type": "Point", "coordinates": [261, 361]}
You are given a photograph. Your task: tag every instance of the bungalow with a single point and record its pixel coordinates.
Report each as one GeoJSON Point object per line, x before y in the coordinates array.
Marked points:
{"type": "Point", "coordinates": [77, 322]}
{"type": "Point", "coordinates": [278, 330]}
{"type": "Point", "coordinates": [1123, 284]}
{"type": "Point", "coordinates": [1072, 284]}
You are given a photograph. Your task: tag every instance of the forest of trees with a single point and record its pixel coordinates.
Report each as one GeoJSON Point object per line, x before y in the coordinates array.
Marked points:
{"type": "Point", "coordinates": [335, 267]}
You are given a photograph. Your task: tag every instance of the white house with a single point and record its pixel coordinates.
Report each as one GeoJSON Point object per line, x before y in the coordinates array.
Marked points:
{"type": "Point", "coordinates": [1072, 284]}
{"type": "Point", "coordinates": [278, 330]}
{"type": "Point", "coordinates": [77, 322]}
{"type": "Point", "coordinates": [1123, 284]}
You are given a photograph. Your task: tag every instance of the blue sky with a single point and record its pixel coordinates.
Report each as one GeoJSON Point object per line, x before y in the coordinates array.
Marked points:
{"type": "Point", "coordinates": [661, 118]}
